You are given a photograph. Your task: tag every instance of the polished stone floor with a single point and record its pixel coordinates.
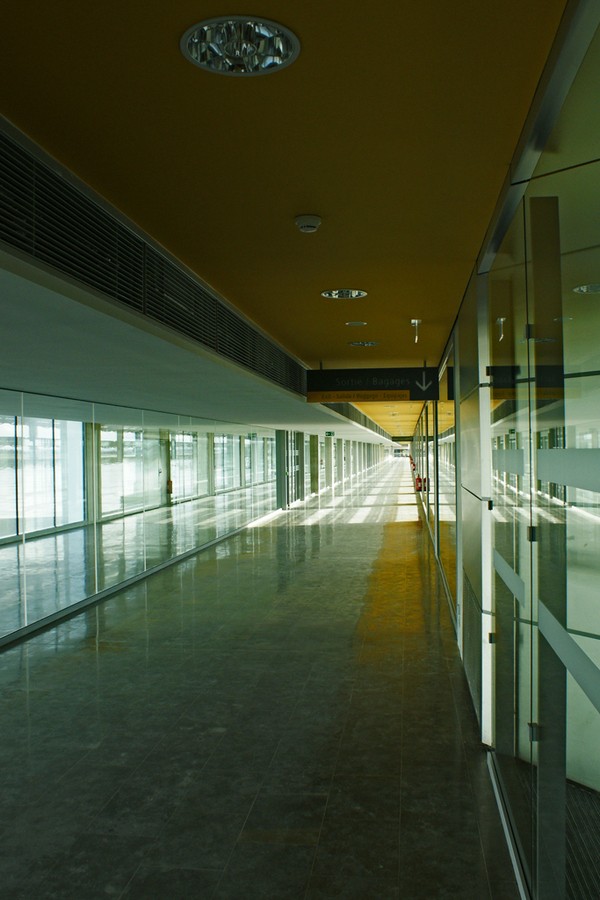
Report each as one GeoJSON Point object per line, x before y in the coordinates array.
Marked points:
{"type": "Point", "coordinates": [52, 571]}
{"type": "Point", "coordinates": [282, 716]}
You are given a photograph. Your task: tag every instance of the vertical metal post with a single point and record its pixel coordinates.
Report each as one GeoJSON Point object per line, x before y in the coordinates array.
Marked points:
{"type": "Point", "coordinates": [328, 461]}
{"type": "Point", "coordinates": [210, 462]}
{"type": "Point", "coordinates": [458, 494]}
{"type": "Point", "coordinates": [281, 479]}
{"type": "Point", "coordinates": [301, 494]}
{"type": "Point", "coordinates": [487, 565]}
{"type": "Point", "coordinates": [550, 555]}
{"type": "Point", "coordinates": [314, 463]}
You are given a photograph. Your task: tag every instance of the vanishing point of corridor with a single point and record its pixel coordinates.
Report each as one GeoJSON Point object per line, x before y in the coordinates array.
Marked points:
{"type": "Point", "coordinates": [283, 716]}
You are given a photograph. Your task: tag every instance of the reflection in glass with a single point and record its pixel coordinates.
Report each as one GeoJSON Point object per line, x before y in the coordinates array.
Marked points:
{"type": "Point", "coordinates": [447, 477]}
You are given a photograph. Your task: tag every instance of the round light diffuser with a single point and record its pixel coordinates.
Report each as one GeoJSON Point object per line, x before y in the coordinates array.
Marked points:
{"type": "Point", "coordinates": [345, 294]}
{"type": "Point", "coordinates": [240, 45]}
{"type": "Point", "coordinates": [356, 323]}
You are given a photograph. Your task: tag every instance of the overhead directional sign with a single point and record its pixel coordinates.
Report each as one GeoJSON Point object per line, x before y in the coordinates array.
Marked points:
{"type": "Point", "coordinates": [370, 385]}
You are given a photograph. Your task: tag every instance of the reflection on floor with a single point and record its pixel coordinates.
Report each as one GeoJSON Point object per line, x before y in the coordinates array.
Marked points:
{"type": "Point", "coordinates": [50, 572]}
{"type": "Point", "coordinates": [281, 716]}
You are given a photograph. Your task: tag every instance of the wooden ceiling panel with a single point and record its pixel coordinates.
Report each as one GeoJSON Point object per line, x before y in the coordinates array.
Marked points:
{"type": "Point", "coordinates": [396, 124]}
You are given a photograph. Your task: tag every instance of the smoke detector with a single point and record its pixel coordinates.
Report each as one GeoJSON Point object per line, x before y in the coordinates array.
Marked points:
{"type": "Point", "coordinates": [308, 224]}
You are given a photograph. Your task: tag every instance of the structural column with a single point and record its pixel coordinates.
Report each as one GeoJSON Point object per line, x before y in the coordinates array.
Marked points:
{"type": "Point", "coordinates": [281, 475]}
{"type": "Point", "coordinates": [314, 463]}
{"type": "Point", "coordinates": [328, 461]}
{"type": "Point", "coordinates": [301, 493]}
{"type": "Point", "coordinates": [339, 461]}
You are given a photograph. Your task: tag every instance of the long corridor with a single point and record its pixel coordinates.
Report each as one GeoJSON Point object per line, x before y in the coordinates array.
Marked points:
{"type": "Point", "coordinates": [282, 716]}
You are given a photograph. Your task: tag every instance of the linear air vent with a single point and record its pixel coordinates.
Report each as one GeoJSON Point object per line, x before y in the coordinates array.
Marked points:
{"type": "Point", "coordinates": [43, 215]}
{"type": "Point", "coordinates": [355, 415]}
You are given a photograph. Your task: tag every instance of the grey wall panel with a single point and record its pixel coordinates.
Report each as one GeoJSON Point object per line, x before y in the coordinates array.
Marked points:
{"type": "Point", "coordinates": [472, 643]}
{"type": "Point", "coordinates": [575, 468]}
{"type": "Point", "coordinates": [511, 461]}
{"type": "Point", "coordinates": [467, 329]}
{"type": "Point", "coordinates": [470, 444]}
{"type": "Point", "coordinates": [471, 538]}
{"type": "Point", "coordinates": [513, 582]}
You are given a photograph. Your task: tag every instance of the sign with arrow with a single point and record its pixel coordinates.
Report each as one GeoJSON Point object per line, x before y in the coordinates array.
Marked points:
{"type": "Point", "coordinates": [371, 385]}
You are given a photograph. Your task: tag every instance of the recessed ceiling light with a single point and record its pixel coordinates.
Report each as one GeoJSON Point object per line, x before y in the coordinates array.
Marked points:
{"type": "Point", "coordinates": [345, 294]}
{"type": "Point", "coordinates": [240, 45]}
{"type": "Point", "coordinates": [363, 343]}
{"type": "Point", "coordinates": [587, 289]}
{"type": "Point", "coordinates": [356, 323]}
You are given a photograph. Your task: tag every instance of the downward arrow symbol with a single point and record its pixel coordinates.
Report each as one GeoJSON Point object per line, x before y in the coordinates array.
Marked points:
{"type": "Point", "coordinates": [421, 384]}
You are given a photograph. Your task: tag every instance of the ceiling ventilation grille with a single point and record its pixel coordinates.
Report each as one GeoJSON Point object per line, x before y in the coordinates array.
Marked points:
{"type": "Point", "coordinates": [43, 215]}
{"type": "Point", "coordinates": [351, 412]}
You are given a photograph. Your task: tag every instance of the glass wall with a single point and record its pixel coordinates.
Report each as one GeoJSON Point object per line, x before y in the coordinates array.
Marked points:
{"type": "Point", "coordinates": [189, 464]}
{"type": "Point", "coordinates": [49, 480]}
{"type": "Point", "coordinates": [91, 495]}
{"type": "Point", "coordinates": [446, 462]}
{"type": "Point", "coordinates": [544, 321]}
{"type": "Point", "coordinates": [228, 472]}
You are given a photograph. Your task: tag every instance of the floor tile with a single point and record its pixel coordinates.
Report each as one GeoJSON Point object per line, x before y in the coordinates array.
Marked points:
{"type": "Point", "coordinates": [282, 716]}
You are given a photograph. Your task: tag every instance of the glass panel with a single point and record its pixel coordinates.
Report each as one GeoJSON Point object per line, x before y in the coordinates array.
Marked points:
{"type": "Point", "coordinates": [248, 454]}
{"type": "Point", "coordinates": [322, 479]}
{"type": "Point", "coordinates": [431, 465]}
{"type": "Point", "coordinates": [582, 795]}
{"type": "Point", "coordinates": [111, 471]}
{"type": "Point", "coordinates": [37, 453]}
{"type": "Point", "coordinates": [100, 484]}
{"type": "Point", "coordinates": [155, 468]}
{"type": "Point", "coordinates": [133, 470]}
{"type": "Point", "coordinates": [185, 463]}
{"type": "Point", "coordinates": [565, 419]}
{"type": "Point", "coordinates": [69, 472]}
{"type": "Point", "coordinates": [447, 477]}
{"type": "Point", "coordinates": [511, 518]}
{"type": "Point", "coordinates": [8, 476]}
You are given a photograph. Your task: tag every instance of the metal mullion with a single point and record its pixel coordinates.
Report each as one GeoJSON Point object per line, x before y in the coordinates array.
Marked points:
{"type": "Point", "coordinates": [16, 443]}
{"type": "Point", "coordinates": [54, 467]}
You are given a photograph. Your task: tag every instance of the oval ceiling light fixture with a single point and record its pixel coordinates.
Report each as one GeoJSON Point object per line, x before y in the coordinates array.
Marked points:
{"type": "Point", "coordinates": [356, 323]}
{"type": "Point", "coordinates": [240, 45]}
{"type": "Point", "coordinates": [587, 289]}
{"type": "Point", "coordinates": [363, 343]}
{"type": "Point", "coordinates": [344, 294]}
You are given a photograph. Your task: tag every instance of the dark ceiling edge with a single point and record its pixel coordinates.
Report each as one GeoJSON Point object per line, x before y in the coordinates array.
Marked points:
{"type": "Point", "coordinates": [13, 132]}
{"type": "Point", "coordinates": [576, 31]}
{"type": "Point", "coordinates": [578, 25]}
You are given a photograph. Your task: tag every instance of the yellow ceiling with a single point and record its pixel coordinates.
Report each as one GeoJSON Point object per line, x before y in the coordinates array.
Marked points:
{"type": "Point", "coordinates": [396, 125]}
{"type": "Point", "coordinates": [397, 418]}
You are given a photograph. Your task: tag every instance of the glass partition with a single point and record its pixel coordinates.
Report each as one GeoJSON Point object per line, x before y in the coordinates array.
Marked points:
{"type": "Point", "coordinates": [544, 291]}
{"type": "Point", "coordinates": [446, 446]}
{"type": "Point", "coordinates": [91, 495]}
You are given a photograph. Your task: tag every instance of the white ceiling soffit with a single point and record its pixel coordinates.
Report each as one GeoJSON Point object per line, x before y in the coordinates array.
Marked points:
{"type": "Point", "coordinates": [59, 340]}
